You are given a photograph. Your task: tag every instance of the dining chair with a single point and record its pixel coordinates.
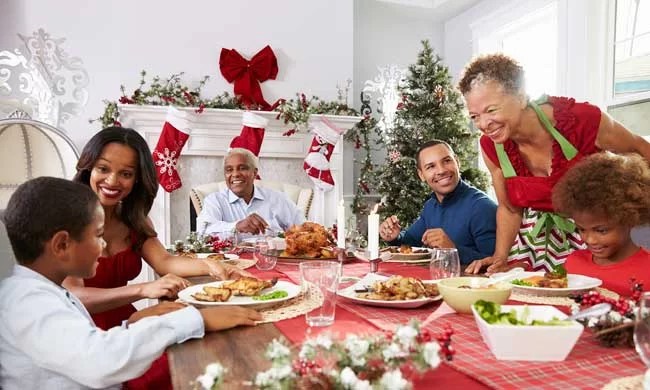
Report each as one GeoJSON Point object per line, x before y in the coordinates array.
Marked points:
{"type": "Point", "coordinates": [301, 196]}
{"type": "Point", "coordinates": [7, 259]}
{"type": "Point", "coordinates": [30, 149]}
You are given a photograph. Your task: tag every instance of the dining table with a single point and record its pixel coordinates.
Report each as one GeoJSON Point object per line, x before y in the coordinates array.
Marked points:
{"type": "Point", "coordinates": [241, 350]}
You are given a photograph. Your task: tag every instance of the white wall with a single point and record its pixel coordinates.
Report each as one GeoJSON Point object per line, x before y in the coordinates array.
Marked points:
{"type": "Point", "coordinates": [582, 36]}
{"type": "Point", "coordinates": [116, 39]}
{"type": "Point", "coordinates": [387, 34]}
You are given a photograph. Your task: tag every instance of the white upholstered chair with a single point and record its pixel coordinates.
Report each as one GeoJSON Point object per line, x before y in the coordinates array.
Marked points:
{"type": "Point", "coordinates": [30, 149]}
{"type": "Point", "coordinates": [302, 197]}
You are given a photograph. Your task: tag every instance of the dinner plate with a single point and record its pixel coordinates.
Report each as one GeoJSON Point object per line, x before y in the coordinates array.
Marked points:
{"type": "Point", "coordinates": [292, 290]}
{"type": "Point", "coordinates": [349, 294]}
{"type": "Point", "coordinates": [411, 257]}
{"type": "Point", "coordinates": [576, 283]}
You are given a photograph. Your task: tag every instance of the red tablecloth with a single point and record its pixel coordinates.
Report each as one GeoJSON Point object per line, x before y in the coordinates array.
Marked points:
{"type": "Point", "coordinates": [588, 366]}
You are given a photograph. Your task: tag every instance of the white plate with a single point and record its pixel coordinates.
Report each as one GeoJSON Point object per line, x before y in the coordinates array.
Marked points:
{"type": "Point", "coordinates": [349, 294]}
{"type": "Point", "coordinates": [398, 257]}
{"type": "Point", "coordinates": [576, 283]}
{"type": "Point", "coordinates": [292, 290]}
{"type": "Point", "coordinates": [229, 256]}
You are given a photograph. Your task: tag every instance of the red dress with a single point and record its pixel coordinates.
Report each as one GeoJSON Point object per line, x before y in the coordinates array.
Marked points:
{"type": "Point", "coordinates": [545, 239]}
{"type": "Point", "coordinates": [578, 123]}
{"type": "Point", "coordinates": [117, 271]}
{"type": "Point", "coordinates": [616, 277]}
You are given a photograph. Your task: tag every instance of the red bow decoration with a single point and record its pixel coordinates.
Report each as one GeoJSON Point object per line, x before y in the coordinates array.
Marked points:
{"type": "Point", "coordinates": [248, 75]}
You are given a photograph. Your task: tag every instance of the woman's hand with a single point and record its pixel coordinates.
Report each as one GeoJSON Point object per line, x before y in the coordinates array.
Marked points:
{"type": "Point", "coordinates": [493, 264]}
{"type": "Point", "coordinates": [156, 310]}
{"type": "Point", "coordinates": [167, 286]}
{"type": "Point", "coordinates": [222, 271]}
{"type": "Point", "coordinates": [220, 318]}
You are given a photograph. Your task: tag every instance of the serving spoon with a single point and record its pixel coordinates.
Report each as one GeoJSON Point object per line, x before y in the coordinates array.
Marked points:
{"type": "Point", "coordinates": [592, 311]}
{"type": "Point", "coordinates": [512, 274]}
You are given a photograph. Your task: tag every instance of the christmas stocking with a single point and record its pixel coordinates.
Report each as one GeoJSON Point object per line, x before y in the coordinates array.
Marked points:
{"type": "Point", "coordinates": [317, 162]}
{"type": "Point", "coordinates": [252, 133]}
{"type": "Point", "coordinates": [175, 133]}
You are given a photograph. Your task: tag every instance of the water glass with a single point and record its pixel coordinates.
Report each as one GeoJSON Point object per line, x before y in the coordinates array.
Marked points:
{"type": "Point", "coordinates": [323, 277]}
{"type": "Point", "coordinates": [642, 329]}
{"type": "Point", "coordinates": [445, 263]}
{"type": "Point", "coordinates": [265, 259]}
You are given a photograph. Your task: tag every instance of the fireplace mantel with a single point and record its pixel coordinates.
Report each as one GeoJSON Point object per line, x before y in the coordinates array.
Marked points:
{"type": "Point", "coordinates": [212, 131]}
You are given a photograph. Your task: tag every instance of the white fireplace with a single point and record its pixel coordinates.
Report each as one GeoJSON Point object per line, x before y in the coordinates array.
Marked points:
{"type": "Point", "coordinates": [201, 160]}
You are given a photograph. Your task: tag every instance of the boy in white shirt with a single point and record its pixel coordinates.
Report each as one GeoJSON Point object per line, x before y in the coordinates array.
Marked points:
{"type": "Point", "coordinates": [47, 338]}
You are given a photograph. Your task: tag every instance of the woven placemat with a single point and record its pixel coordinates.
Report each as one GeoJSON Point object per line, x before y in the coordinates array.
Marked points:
{"type": "Point", "coordinates": [302, 304]}
{"type": "Point", "coordinates": [626, 383]}
{"type": "Point", "coordinates": [555, 301]}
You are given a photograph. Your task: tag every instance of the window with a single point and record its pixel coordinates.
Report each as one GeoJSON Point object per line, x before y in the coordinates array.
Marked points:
{"type": "Point", "coordinates": [532, 39]}
{"type": "Point", "coordinates": [631, 49]}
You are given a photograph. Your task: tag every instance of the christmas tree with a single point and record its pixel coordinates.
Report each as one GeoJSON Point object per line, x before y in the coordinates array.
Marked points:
{"type": "Point", "coordinates": [431, 108]}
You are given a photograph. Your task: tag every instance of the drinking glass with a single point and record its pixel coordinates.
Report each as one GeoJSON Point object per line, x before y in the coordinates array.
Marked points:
{"type": "Point", "coordinates": [265, 260]}
{"type": "Point", "coordinates": [445, 263]}
{"type": "Point", "coordinates": [323, 277]}
{"type": "Point", "coordinates": [642, 329]}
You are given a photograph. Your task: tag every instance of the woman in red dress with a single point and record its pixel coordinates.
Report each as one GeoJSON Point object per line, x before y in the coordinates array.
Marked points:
{"type": "Point", "coordinates": [527, 146]}
{"type": "Point", "coordinates": [117, 164]}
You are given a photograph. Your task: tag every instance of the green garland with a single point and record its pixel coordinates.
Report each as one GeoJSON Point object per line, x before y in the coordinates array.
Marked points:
{"type": "Point", "coordinates": [292, 112]}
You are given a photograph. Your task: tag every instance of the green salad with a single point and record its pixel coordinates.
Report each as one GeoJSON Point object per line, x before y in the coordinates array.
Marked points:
{"type": "Point", "coordinates": [491, 313]}
{"type": "Point", "coordinates": [521, 282]}
{"type": "Point", "coordinates": [272, 295]}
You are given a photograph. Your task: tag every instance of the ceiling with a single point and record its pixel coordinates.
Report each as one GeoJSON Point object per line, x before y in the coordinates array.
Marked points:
{"type": "Point", "coordinates": [439, 10]}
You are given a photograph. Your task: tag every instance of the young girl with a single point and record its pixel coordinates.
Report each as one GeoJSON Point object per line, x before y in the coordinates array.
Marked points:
{"type": "Point", "coordinates": [607, 195]}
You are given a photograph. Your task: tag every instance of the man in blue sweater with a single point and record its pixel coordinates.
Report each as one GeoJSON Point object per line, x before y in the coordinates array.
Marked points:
{"type": "Point", "coordinates": [457, 215]}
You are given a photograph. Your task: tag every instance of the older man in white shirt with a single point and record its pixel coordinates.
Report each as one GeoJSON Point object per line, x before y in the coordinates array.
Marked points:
{"type": "Point", "coordinates": [243, 207]}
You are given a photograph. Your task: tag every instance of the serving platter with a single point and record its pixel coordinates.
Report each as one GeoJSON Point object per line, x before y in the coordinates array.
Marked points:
{"type": "Point", "coordinates": [350, 294]}
{"type": "Point", "coordinates": [292, 290]}
{"type": "Point", "coordinates": [576, 284]}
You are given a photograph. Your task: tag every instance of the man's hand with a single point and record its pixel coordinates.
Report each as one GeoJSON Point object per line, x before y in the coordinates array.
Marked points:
{"type": "Point", "coordinates": [390, 228]}
{"type": "Point", "coordinates": [156, 310]}
{"type": "Point", "coordinates": [222, 271]}
{"type": "Point", "coordinates": [437, 238]}
{"type": "Point", "coordinates": [493, 264]}
{"type": "Point", "coordinates": [253, 224]}
{"type": "Point", "coordinates": [220, 318]}
{"type": "Point", "coordinates": [167, 286]}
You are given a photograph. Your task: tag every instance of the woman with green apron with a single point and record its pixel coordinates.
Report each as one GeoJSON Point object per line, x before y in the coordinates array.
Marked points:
{"type": "Point", "coordinates": [528, 146]}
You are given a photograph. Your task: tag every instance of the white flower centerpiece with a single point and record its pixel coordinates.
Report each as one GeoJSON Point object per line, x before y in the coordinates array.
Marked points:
{"type": "Point", "coordinates": [380, 361]}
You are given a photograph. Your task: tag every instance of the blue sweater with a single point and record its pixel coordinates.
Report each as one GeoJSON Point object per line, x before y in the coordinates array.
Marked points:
{"type": "Point", "coordinates": [467, 216]}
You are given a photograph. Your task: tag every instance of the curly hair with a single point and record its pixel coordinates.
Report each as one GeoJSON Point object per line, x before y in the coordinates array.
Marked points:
{"type": "Point", "coordinates": [611, 185]}
{"type": "Point", "coordinates": [493, 67]}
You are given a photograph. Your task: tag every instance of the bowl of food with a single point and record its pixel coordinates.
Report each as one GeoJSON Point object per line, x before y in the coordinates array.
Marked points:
{"type": "Point", "coordinates": [460, 293]}
{"type": "Point", "coordinates": [527, 333]}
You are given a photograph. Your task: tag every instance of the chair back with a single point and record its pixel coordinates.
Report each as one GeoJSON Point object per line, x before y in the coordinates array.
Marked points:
{"type": "Point", "coordinates": [301, 196]}
{"type": "Point", "coordinates": [30, 149]}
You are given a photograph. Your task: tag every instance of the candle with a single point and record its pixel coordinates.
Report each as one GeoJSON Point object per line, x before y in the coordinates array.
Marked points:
{"type": "Point", "coordinates": [373, 233]}
{"type": "Point", "coordinates": [340, 225]}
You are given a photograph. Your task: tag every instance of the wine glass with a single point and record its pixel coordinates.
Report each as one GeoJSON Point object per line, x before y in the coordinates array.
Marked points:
{"type": "Point", "coordinates": [265, 260]}
{"type": "Point", "coordinates": [445, 263]}
{"type": "Point", "coordinates": [642, 329]}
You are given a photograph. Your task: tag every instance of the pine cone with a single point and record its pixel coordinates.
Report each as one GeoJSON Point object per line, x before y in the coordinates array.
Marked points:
{"type": "Point", "coordinates": [617, 336]}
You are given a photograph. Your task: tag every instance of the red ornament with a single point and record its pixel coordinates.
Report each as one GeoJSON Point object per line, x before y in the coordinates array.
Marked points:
{"type": "Point", "coordinates": [247, 75]}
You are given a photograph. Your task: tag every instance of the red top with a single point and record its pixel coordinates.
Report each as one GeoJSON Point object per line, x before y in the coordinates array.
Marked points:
{"type": "Point", "coordinates": [578, 123]}
{"type": "Point", "coordinates": [116, 271]}
{"type": "Point", "coordinates": [616, 277]}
